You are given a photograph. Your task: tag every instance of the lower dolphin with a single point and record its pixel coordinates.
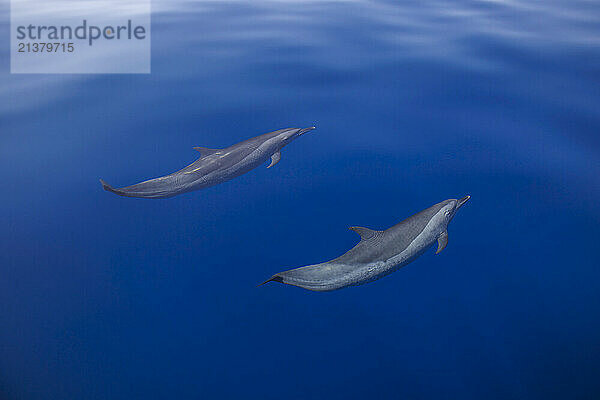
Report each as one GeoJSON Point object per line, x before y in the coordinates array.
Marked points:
{"type": "Point", "coordinates": [378, 253]}
{"type": "Point", "coordinates": [214, 166]}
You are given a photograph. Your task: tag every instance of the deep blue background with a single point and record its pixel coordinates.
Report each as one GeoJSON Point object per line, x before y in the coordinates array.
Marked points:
{"type": "Point", "coordinates": [103, 297]}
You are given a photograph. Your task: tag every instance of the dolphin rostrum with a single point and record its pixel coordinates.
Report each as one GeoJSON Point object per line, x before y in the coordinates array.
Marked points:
{"type": "Point", "coordinates": [378, 253]}
{"type": "Point", "coordinates": [214, 166]}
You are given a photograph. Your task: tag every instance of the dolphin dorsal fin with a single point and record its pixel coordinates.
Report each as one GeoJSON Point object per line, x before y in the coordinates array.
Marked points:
{"type": "Point", "coordinates": [365, 233]}
{"type": "Point", "coordinates": [205, 151]}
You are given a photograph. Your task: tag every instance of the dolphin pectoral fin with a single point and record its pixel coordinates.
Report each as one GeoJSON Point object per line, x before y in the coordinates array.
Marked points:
{"type": "Point", "coordinates": [275, 158]}
{"type": "Point", "coordinates": [442, 242]}
{"type": "Point", "coordinates": [205, 151]}
{"type": "Point", "coordinates": [365, 233]}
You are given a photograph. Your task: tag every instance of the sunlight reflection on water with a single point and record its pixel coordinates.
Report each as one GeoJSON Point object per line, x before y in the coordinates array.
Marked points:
{"type": "Point", "coordinates": [351, 34]}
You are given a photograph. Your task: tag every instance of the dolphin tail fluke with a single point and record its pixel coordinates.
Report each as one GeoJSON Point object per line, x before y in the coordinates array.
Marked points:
{"type": "Point", "coordinates": [136, 191]}
{"type": "Point", "coordinates": [274, 278]}
{"type": "Point", "coordinates": [106, 186]}
{"type": "Point", "coordinates": [109, 188]}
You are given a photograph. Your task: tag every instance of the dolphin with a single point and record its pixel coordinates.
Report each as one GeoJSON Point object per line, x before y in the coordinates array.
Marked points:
{"type": "Point", "coordinates": [378, 253]}
{"type": "Point", "coordinates": [214, 166]}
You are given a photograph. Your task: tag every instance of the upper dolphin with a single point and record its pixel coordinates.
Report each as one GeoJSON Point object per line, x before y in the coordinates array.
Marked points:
{"type": "Point", "coordinates": [214, 166]}
{"type": "Point", "coordinates": [378, 253]}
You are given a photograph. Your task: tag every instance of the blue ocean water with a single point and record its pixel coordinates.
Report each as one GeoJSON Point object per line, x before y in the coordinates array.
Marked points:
{"type": "Point", "coordinates": [103, 297]}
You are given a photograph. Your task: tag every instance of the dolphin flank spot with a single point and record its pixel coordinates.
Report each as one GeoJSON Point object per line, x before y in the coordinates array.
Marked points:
{"type": "Point", "coordinates": [214, 166]}
{"type": "Point", "coordinates": [378, 253]}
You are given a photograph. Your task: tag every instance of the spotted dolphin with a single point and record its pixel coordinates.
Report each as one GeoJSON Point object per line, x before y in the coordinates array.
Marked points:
{"type": "Point", "coordinates": [214, 166]}
{"type": "Point", "coordinates": [378, 253]}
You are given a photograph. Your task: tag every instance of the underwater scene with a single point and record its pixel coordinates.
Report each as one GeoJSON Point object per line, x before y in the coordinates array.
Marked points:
{"type": "Point", "coordinates": [417, 107]}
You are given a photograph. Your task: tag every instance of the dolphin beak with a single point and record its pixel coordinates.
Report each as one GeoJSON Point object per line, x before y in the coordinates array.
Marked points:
{"type": "Point", "coordinates": [303, 131]}
{"type": "Point", "coordinates": [462, 201]}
